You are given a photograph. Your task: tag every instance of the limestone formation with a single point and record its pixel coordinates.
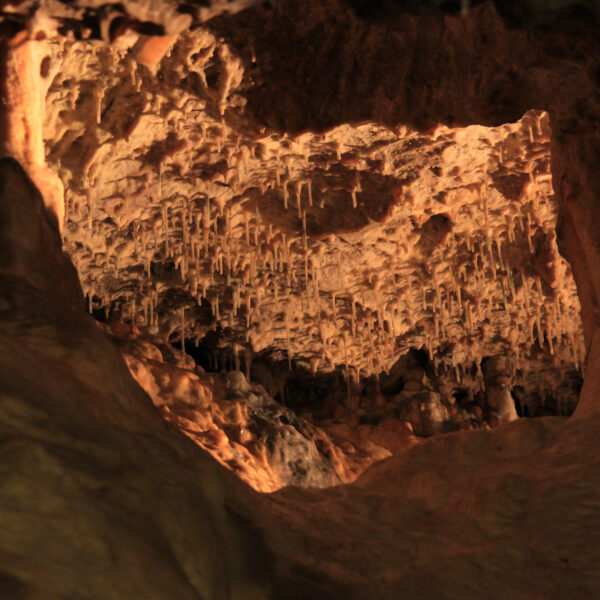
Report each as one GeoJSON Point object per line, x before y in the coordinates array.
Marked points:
{"type": "Point", "coordinates": [331, 249]}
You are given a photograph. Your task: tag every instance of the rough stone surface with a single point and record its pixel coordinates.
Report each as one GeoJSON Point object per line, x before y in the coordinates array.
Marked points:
{"type": "Point", "coordinates": [340, 247]}
{"type": "Point", "coordinates": [363, 207]}
{"type": "Point", "coordinates": [100, 498]}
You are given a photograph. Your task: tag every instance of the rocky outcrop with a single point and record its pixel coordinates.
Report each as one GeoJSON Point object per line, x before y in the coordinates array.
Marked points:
{"type": "Point", "coordinates": [80, 507]}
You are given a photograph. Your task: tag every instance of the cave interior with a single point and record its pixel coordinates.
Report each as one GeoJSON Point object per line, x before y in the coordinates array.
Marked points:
{"type": "Point", "coordinates": [299, 299]}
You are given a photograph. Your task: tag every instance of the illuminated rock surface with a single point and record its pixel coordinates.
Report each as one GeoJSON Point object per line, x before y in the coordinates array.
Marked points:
{"type": "Point", "coordinates": [101, 499]}
{"type": "Point", "coordinates": [356, 253]}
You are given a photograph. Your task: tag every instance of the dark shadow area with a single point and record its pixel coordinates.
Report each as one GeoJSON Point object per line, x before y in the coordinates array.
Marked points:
{"type": "Point", "coordinates": [380, 10]}
{"type": "Point", "coordinates": [380, 72]}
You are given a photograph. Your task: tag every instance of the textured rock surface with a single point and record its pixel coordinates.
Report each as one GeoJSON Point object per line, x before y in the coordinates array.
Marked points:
{"type": "Point", "coordinates": [91, 475]}
{"type": "Point", "coordinates": [101, 499]}
{"type": "Point", "coordinates": [340, 247]}
{"type": "Point", "coordinates": [359, 205]}
{"type": "Point", "coordinates": [263, 442]}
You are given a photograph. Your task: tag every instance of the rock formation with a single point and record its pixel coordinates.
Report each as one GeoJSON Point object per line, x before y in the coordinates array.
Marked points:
{"type": "Point", "coordinates": [317, 235]}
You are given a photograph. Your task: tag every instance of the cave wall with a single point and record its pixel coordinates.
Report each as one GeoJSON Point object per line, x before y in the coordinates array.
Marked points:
{"type": "Point", "coordinates": [95, 479]}
{"type": "Point", "coordinates": [100, 498]}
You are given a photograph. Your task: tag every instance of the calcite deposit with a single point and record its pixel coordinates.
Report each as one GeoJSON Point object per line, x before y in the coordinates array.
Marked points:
{"type": "Point", "coordinates": [344, 253]}
{"type": "Point", "coordinates": [334, 250]}
{"type": "Point", "coordinates": [100, 498]}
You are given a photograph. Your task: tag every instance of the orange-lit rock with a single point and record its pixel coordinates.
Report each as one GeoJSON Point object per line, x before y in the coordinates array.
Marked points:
{"type": "Point", "coordinates": [93, 477]}
{"type": "Point", "coordinates": [28, 69]}
{"type": "Point", "coordinates": [150, 50]}
{"type": "Point", "coordinates": [329, 244]}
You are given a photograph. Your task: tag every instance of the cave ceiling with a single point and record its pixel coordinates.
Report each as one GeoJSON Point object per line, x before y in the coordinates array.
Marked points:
{"type": "Point", "coordinates": [216, 184]}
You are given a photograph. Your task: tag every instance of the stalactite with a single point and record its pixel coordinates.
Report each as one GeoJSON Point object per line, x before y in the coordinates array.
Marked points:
{"type": "Point", "coordinates": [90, 212]}
{"type": "Point", "coordinates": [304, 239]}
{"type": "Point", "coordinates": [529, 242]}
{"type": "Point", "coordinates": [531, 178]}
{"type": "Point", "coordinates": [317, 297]}
{"type": "Point", "coordinates": [132, 307]}
{"type": "Point", "coordinates": [504, 298]}
{"type": "Point", "coordinates": [500, 257]}
{"type": "Point", "coordinates": [285, 195]}
{"type": "Point", "coordinates": [333, 298]}
{"type": "Point", "coordinates": [492, 261]}
{"type": "Point", "coordinates": [467, 316]}
{"type": "Point", "coordinates": [100, 97]}
{"type": "Point", "coordinates": [148, 257]}
{"type": "Point", "coordinates": [511, 284]}
{"type": "Point", "coordinates": [549, 337]}
{"type": "Point", "coordinates": [538, 324]}
{"type": "Point", "coordinates": [314, 364]}
{"type": "Point", "coordinates": [531, 326]}
{"type": "Point", "coordinates": [248, 363]}
{"type": "Point", "coordinates": [299, 197]}
{"type": "Point", "coordinates": [510, 227]}
{"type": "Point", "coordinates": [183, 329]}
{"type": "Point", "coordinates": [107, 303]}
{"type": "Point", "coordinates": [347, 369]}
{"type": "Point", "coordinates": [236, 356]}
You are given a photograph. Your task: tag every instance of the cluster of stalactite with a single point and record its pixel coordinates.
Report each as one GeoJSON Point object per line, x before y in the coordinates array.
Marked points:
{"type": "Point", "coordinates": [338, 250]}
{"type": "Point", "coordinates": [244, 267]}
